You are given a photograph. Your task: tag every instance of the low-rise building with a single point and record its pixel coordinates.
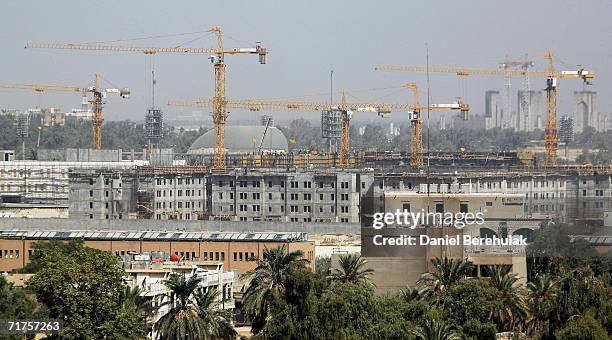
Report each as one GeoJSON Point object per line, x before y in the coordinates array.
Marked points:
{"type": "Point", "coordinates": [150, 271]}
{"type": "Point", "coordinates": [234, 250]}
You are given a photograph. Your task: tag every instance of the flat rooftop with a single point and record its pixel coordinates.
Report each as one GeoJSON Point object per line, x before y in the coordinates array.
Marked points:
{"type": "Point", "coordinates": [155, 236]}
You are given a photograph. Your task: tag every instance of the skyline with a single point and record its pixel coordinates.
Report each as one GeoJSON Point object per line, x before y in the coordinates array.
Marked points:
{"type": "Point", "coordinates": [303, 49]}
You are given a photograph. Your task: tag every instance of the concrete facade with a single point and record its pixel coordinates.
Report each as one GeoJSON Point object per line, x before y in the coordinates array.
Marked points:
{"type": "Point", "coordinates": [306, 196]}
{"type": "Point", "coordinates": [233, 253]}
{"type": "Point", "coordinates": [586, 114]}
{"type": "Point", "coordinates": [531, 110]}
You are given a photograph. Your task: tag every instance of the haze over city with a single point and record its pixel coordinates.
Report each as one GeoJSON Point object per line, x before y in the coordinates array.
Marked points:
{"type": "Point", "coordinates": [305, 40]}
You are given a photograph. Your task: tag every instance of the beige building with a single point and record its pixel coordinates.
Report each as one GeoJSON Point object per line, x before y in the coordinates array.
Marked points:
{"type": "Point", "coordinates": [150, 274]}
{"type": "Point", "coordinates": [234, 250]}
{"type": "Point", "coordinates": [396, 267]}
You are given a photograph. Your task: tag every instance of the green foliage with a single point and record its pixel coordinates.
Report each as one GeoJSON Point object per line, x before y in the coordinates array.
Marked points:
{"type": "Point", "coordinates": [84, 289]}
{"type": "Point", "coordinates": [474, 329]}
{"type": "Point", "coordinates": [352, 268]}
{"type": "Point", "coordinates": [471, 299]}
{"type": "Point", "coordinates": [351, 311]}
{"type": "Point", "coordinates": [434, 329]}
{"type": "Point", "coordinates": [583, 328]}
{"type": "Point", "coordinates": [447, 272]}
{"type": "Point", "coordinates": [267, 282]}
{"type": "Point", "coordinates": [124, 135]}
{"type": "Point", "coordinates": [323, 266]}
{"type": "Point", "coordinates": [62, 248]}
{"type": "Point", "coordinates": [193, 313]}
{"type": "Point", "coordinates": [16, 304]}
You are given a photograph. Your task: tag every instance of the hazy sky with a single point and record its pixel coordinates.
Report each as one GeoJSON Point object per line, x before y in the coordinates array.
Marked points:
{"type": "Point", "coordinates": [306, 39]}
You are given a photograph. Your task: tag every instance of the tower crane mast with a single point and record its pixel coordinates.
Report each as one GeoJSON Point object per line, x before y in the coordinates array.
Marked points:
{"type": "Point", "coordinates": [550, 134]}
{"type": "Point", "coordinates": [97, 103]}
{"type": "Point", "coordinates": [217, 59]}
{"type": "Point", "coordinates": [347, 109]}
{"type": "Point", "coordinates": [416, 122]}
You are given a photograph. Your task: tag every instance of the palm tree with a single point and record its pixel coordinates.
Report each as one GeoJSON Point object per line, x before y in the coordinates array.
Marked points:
{"type": "Point", "coordinates": [510, 294]}
{"type": "Point", "coordinates": [447, 271]}
{"type": "Point", "coordinates": [435, 330]}
{"type": "Point", "coordinates": [543, 293]}
{"type": "Point", "coordinates": [267, 281]}
{"type": "Point", "coordinates": [182, 321]}
{"type": "Point", "coordinates": [134, 299]}
{"type": "Point", "coordinates": [218, 321]}
{"type": "Point", "coordinates": [352, 269]}
{"type": "Point", "coordinates": [193, 314]}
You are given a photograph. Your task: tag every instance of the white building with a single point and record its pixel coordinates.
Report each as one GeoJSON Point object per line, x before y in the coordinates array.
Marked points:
{"type": "Point", "coordinates": [151, 277]}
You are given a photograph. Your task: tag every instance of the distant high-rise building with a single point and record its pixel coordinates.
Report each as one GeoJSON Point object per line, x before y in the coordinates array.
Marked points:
{"type": "Point", "coordinates": [531, 110]}
{"type": "Point", "coordinates": [566, 129]}
{"type": "Point", "coordinates": [493, 111]}
{"type": "Point", "coordinates": [585, 113]}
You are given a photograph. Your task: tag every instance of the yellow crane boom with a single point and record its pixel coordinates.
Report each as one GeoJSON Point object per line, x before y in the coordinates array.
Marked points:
{"type": "Point", "coordinates": [217, 59]}
{"type": "Point", "coordinates": [347, 108]}
{"type": "Point", "coordinates": [97, 104]}
{"type": "Point", "coordinates": [551, 138]}
{"type": "Point", "coordinates": [416, 122]}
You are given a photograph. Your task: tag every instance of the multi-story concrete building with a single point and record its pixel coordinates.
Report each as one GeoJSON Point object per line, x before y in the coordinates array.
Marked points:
{"type": "Point", "coordinates": [502, 215]}
{"type": "Point", "coordinates": [586, 114]}
{"type": "Point", "coordinates": [349, 196]}
{"type": "Point", "coordinates": [234, 250]}
{"type": "Point", "coordinates": [493, 111]}
{"type": "Point", "coordinates": [531, 110]}
{"type": "Point", "coordinates": [150, 274]}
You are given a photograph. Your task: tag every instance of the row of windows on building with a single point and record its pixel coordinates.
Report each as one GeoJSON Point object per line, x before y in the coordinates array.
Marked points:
{"type": "Point", "coordinates": [178, 205]}
{"type": "Point", "coordinates": [108, 217]}
{"type": "Point", "coordinates": [292, 184]}
{"type": "Point", "coordinates": [33, 188]}
{"type": "Point", "coordinates": [191, 255]}
{"type": "Point", "coordinates": [35, 173]}
{"type": "Point", "coordinates": [292, 208]}
{"type": "Point", "coordinates": [477, 185]}
{"type": "Point", "coordinates": [179, 193]}
{"type": "Point", "coordinates": [293, 197]}
{"type": "Point", "coordinates": [179, 181]}
{"type": "Point", "coordinates": [9, 254]}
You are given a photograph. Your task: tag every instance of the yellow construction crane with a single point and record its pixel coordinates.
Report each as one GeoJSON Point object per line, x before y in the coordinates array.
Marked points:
{"type": "Point", "coordinates": [96, 101]}
{"type": "Point", "coordinates": [217, 58]}
{"type": "Point", "coordinates": [346, 109]}
{"type": "Point", "coordinates": [416, 122]}
{"type": "Point", "coordinates": [550, 133]}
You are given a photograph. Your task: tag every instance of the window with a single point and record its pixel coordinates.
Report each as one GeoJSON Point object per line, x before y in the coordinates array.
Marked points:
{"type": "Point", "coordinates": [406, 207]}
{"type": "Point", "coordinates": [320, 197]}
{"type": "Point", "coordinates": [91, 193]}
{"type": "Point", "coordinates": [489, 204]}
{"type": "Point", "coordinates": [269, 184]}
{"type": "Point", "coordinates": [306, 208]}
{"type": "Point", "coordinates": [220, 183]}
{"type": "Point", "coordinates": [320, 184]}
{"type": "Point", "coordinates": [440, 208]}
{"type": "Point", "coordinates": [282, 184]}
{"type": "Point", "coordinates": [270, 196]}
{"type": "Point", "coordinates": [221, 195]}
{"type": "Point", "coordinates": [307, 197]}
{"type": "Point", "coordinates": [463, 207]}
